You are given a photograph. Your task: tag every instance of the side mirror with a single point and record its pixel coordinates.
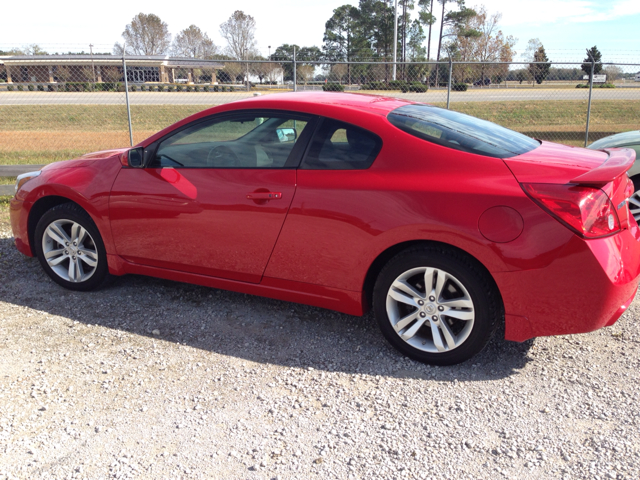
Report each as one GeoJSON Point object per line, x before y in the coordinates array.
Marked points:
{"type": "Point", "coordinates": [135, 156]}
{"type": "Point", "coordinates": [286, 134]}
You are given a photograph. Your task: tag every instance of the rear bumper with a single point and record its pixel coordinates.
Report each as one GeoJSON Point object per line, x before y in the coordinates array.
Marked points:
{"type": "Point", "coordinates": [587, 287]}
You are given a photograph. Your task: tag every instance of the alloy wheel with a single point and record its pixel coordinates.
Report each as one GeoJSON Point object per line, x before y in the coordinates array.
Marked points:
{"type": "Point", "coordinates": [430, 309]}
{"type": "Point", "coordinates": [70, 250]}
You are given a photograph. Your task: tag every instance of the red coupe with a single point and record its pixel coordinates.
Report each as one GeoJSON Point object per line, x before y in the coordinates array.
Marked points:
{"type": "Point", "coordinates": [444, 224]}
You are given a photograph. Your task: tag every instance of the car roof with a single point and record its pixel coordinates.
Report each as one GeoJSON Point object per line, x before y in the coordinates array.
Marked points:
{"type": "Point", "coordinates": [617, 140]}
{"type": "Point", "coordinates": [312, 102]}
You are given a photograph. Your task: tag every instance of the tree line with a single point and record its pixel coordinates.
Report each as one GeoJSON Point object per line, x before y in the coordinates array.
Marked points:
{"type": "Point", "coordinates": [363, 33]}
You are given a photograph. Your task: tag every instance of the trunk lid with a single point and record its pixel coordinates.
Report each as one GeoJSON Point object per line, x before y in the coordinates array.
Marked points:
{"type": "Point", "coordinates": [554, 163]}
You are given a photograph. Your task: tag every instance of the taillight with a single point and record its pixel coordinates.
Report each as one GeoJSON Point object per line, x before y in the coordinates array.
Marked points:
{"type": "Point", "coordinates": [586, 210]}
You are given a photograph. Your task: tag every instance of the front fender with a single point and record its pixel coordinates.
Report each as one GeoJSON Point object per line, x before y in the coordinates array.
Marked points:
{"type": "Point", "coordinates": [88, 185]}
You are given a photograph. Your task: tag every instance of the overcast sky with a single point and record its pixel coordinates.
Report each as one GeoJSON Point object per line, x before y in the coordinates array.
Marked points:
{"type": "Point", "coordinates": [565, 27]}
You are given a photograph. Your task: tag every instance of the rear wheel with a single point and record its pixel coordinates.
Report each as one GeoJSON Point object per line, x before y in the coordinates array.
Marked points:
{"type": "Point", "coordinates": [436, 305]}
{"type": "Point", "coordinates": [70, 249]}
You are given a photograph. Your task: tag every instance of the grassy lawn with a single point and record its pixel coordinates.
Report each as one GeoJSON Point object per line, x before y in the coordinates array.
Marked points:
{"type": "Point", "coordinates": [32, 134]}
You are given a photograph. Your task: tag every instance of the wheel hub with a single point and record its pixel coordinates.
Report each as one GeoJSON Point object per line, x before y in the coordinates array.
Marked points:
{"type": "Point", "coordinates": [430, 308]}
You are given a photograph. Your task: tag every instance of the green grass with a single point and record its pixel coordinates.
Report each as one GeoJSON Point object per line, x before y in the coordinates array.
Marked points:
{"type": "Point", "coordinates": [7, 180]}
{"type": "Point", "coordinates": [40, 134]}
{"type": "Point", "coordinates": [92, 117]}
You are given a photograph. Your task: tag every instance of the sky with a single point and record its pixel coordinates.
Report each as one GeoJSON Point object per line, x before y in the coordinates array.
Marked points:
{"type": "Point", "coordinates": [565, 27]}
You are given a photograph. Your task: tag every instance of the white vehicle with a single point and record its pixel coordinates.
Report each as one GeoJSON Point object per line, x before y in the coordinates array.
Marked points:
{"type": "Point", "coordinates": [637, 77]}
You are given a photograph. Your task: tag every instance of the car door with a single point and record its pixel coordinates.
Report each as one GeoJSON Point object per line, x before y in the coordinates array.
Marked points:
{"type": "Point", "coordinates": [213, 196]}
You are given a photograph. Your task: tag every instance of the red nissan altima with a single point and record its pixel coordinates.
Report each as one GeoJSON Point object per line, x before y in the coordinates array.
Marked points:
{"type": "Point", "coordinates": [445, 225]}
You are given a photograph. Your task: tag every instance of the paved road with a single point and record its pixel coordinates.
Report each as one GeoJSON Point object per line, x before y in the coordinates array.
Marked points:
{"type": "Point", "coordinates": [191, 98]}
{"type": "Point", "coordinates": [15, 170]}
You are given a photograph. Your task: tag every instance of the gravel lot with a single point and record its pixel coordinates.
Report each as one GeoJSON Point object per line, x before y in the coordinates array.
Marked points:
{"type": "Point", "coordinates": [155, 379]}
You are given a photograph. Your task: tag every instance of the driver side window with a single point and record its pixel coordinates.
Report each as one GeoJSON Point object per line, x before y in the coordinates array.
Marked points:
{"type": "Point", "coordinates": [245, 141]}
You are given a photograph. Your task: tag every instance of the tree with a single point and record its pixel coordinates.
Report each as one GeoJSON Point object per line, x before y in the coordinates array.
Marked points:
{"type": "Point", "coordinates": [613, 73]}
{"type": "Point", "coordinates": [309, 56]}
{"type": "Point", "coordinates": [455, 22]}
{"type": "Point", "coordinates": [239, 32]}
{"type": "Point", "coordinates": [305, 73]}
{"type": "Point", "coordinates": [540, 71]}
{"type": "Point", "coordinates": [486, 44]}
{"type": "Point", "coordinates": [532, 47]}
{"type": "Point", "coordinates": [592, 54]}
{"type": "Point", "coordinates": [194, 43]}
{"type": "Point", "coordinates": [342, 36]}
{"type": "Point", "coordinates": [427, 18]}
{"type": "Point", "coordinates": [145, 35]}
{"type": "Point", "coordinates": [416, 52]}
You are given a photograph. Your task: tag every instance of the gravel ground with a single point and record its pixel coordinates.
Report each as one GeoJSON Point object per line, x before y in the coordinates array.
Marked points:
{"type": "Point", "coordinates": [155, 379]}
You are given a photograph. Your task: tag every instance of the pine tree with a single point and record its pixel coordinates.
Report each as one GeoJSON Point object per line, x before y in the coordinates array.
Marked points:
{"type": "Point", "coordinates": [592, 53]}
{"type": "Point", "coordinates": [540, 71]}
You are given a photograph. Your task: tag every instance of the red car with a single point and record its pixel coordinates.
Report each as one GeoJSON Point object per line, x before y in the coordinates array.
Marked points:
{"type": "Point", "coordinates": [444, 224]}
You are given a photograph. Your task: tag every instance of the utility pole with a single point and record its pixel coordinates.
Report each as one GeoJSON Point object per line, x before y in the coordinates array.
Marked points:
{"type": "Point", "coordinates": [93, 68]}
{"type": "Point", "coordinates": [395, 37]}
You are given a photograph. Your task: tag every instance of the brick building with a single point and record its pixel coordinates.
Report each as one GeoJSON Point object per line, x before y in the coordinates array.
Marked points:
{"type": "Point", "coordinates": [105, 68]}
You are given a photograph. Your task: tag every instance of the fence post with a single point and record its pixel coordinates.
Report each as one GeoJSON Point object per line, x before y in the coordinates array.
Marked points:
{"type": "Point", "coordinates": [586, 134]}
{"type": "Point", "coordinates": [126, 95]}
{"type": "Point", "coordinates": [449, 84]}
{"type": "Point", "coordinates": [295, 79]}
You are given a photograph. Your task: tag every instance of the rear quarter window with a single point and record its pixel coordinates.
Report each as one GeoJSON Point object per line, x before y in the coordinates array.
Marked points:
{"type": "Point", "coordinates": [461, 132]}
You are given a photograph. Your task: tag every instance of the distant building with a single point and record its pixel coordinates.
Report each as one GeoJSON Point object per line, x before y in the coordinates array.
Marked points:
{"type": "Point", "coordinates": [105, 68]}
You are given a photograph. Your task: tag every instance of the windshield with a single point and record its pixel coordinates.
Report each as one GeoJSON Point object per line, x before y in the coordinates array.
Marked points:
{"type": "Point", "coordinates": [460, 131]}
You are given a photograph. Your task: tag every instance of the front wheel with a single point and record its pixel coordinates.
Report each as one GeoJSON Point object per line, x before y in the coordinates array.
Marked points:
{"type": "Point", "coordinates": [70, 249]}
{"type": "Point", "coordinates": [436, 305]}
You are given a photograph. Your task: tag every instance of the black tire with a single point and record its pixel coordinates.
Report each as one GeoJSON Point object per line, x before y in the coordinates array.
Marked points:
{"type": "Point", "coordinates": [466, 281]}
{"type": "Point", "coordinates": [634, 207]}
{"type": "Point", "coordinates": [74, 214]}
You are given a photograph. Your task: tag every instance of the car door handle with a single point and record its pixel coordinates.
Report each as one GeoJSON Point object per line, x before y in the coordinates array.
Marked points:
{"type": "Point", "coordinates": [264, 195]}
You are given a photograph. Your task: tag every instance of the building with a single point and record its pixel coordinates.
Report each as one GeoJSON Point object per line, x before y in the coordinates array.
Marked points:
{"type": "Point", "coordinates": [106, 68]}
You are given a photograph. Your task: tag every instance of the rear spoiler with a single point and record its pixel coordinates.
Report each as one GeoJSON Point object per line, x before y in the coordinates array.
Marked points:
{"type": "Point", "coordinates": [620, 160]}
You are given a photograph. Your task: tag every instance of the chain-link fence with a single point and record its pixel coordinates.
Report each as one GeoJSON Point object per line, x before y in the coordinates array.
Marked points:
{"type": "Point", "coordinates": [59, 106]}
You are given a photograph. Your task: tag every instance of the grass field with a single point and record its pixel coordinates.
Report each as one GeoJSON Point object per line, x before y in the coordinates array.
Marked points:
{"type": "Point", "coordinates": [33, 134]}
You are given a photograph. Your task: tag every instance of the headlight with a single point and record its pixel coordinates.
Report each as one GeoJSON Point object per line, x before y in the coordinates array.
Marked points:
{"type": "Point", "coordinates": [25, 177]}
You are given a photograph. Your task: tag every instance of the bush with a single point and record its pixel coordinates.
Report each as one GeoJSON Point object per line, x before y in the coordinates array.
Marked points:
{"type": "Point", "coordinates": [414, 87]}
{"type": "Point", "coordinates": [189, 88]}
{"type": "Point", "coordinates": [31, 87]}
{"type": "Point", "coordinates": [161, 88]}
{"type": "Point", "coordinates": [20, 88]}
{"type": "Point", "coordinates": [10, 88]}
{"type": "Point", "coordinates": [75, 87]}
{"type": "Point", "coordinates": [171, 88]}
{"type": "Point", "coordinates": [397, 84]}
{"type": "Point", "coordinates": [418, 87]}
{"type": "Point", "coordinates": [596, 85]}
{"type": "Point", "coordinates": [459, 87]}
{"type": "Point", "coordinates": [41, 88]}
{"type": "Point", "coordinates": [232, 89]}
{"type": "Point", "coordinates": [179, 88]}
{"type": "Point", "coordinates": [332, 87]}
{"type": "Point", "coordinates": [52, 88]}
{"type": "Point", "coordinates": [205, 88]}
{"type": "Point", "coordinates": [133, 88]}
